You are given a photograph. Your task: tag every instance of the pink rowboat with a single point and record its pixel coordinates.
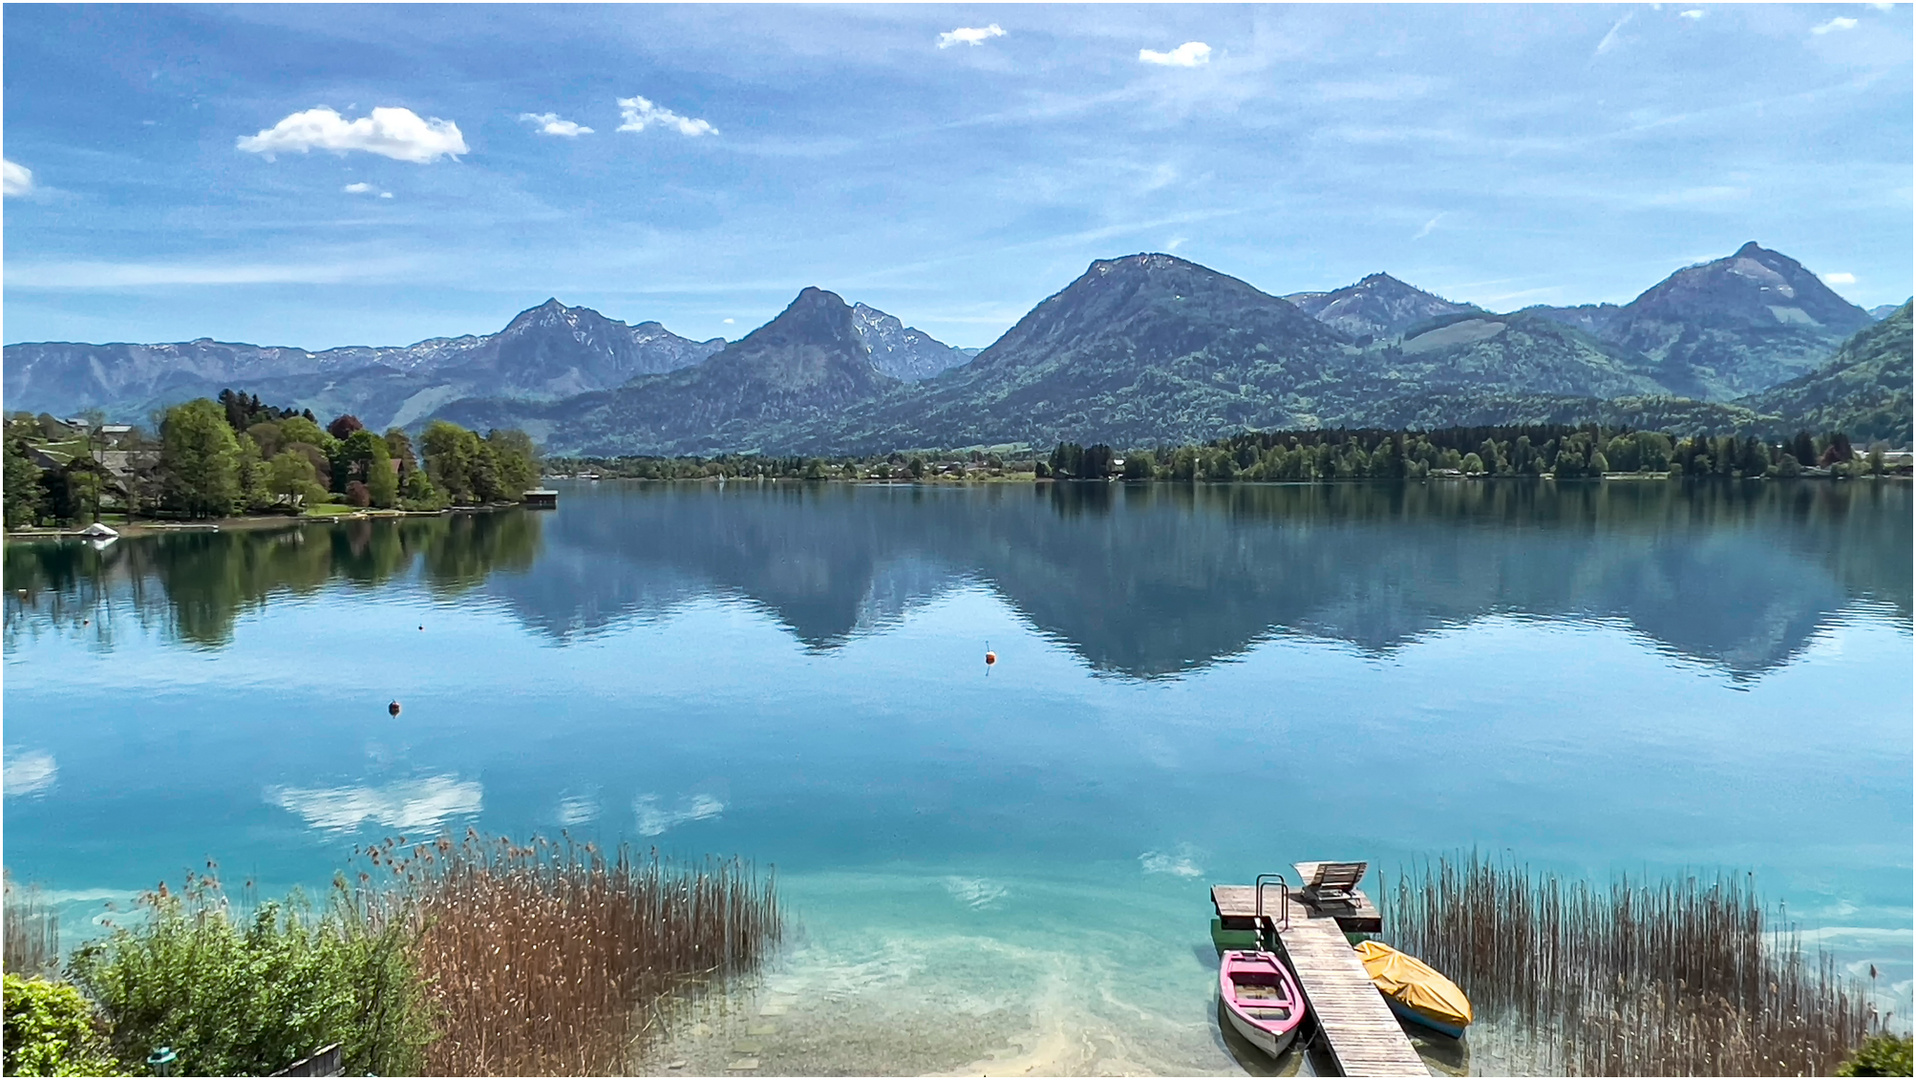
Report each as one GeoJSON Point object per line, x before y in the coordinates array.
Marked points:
{"type": "Point", "coordinates": [1261, 998]}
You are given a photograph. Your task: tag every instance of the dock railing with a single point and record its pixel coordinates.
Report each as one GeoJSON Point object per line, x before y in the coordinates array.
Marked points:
{"type": "Point", "coordinates": [1284, 900]}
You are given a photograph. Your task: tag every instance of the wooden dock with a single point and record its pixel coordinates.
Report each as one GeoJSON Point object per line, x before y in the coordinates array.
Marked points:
{"type": "Point", "coordinates": [1356, 1026]}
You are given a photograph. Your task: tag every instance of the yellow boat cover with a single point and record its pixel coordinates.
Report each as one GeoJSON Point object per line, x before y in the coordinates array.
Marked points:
{"type": "Point", "coordinates": [1412, 982]}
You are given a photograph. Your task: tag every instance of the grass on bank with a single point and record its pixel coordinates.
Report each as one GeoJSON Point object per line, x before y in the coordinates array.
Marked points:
{"type": "Point", "coordinates": [468, 958]}
{"type": "Point", "coordinates": [1674, 978]}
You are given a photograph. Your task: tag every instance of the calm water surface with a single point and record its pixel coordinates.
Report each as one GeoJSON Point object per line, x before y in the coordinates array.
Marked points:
{"type": "Point", "coordinates": [1008, 868]}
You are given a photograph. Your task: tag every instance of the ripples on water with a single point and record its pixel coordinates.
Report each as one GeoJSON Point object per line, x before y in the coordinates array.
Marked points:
{"type": "Point", "coordinates": [1005, 869]}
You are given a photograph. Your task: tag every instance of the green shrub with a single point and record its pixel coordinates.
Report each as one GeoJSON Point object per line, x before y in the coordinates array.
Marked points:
{"type": "Point", "coordinates": [51, 1031]}
{"type": "Point", "coordinates": [1880, 1055]}
{"type": "Point", "coordinates": [244, 997]}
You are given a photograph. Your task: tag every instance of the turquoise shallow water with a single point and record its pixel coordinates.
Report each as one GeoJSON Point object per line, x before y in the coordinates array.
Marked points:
{"type": "Point", "coordinates": [1009, 867]}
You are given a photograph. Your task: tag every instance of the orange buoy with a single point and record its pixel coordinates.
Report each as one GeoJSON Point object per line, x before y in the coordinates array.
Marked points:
{"type": "Point", "coordinates": [393, 708]}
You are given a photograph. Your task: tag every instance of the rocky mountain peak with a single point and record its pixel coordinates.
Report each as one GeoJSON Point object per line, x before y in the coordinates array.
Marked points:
{"type": "Point", "coordinates": [903, 352]}
{"type": "Point", "coordinates": [814, 317]}
{"type": "Point", "coordinates": [1376, 306]}
{"type": "Point", "coordinates": [1753, 287]}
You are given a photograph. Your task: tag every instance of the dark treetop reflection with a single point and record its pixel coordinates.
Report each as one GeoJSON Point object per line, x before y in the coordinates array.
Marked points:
{"type": "Point", "coordinates": [1139, 581]}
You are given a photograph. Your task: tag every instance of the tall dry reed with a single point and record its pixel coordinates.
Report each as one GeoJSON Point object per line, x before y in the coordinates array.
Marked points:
{"type": "Point", "coordinates": [546, 958]}
{"type": "Point", "coordinates": [1682, 978]}
{"type": "Point", "coordinates": [31, 934]}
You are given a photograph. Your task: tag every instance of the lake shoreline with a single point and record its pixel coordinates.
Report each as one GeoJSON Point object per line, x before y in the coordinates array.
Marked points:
{"type": "Point", "coordinates": [249, 523]}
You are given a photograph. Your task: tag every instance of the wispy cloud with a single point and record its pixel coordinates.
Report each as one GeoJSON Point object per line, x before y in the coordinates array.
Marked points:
{"type": "Point", "coordinates": [1699, 196]}
{"type": "Point", "coordinates": [1610, 39]}
{"type": "Point", "coordinates": [1428, 226]}
{"type": "Point", "coordinates": [29, 773]}
{"type": "Point", "coordinates": [1189, 54]}
{"type": "Point", "coordinates": [970, 35]}
{"type": "Point", "coordinates": [640, 113]}
{"type": "Point", "coordinates": [654, 819]}
{"type": "Point", "coordinates": [116, 275]}
{"type": "Point", "coordinates": [1841, 22]}
{"type": "Point", "coordinates": [409, 804]}
{"type": "Point", "coordinates": [363, 188]}
{"type": "Point", "coordinates": [550, 124]}
{"type": "Point", "coordinates": [1180, 863]}
{"type": "Point", "coordinates": [15, 179]}
{"type": "Point", "coordinates": [1839, 278]}
{"type": "Point", "coordinates": [1693, 13]}
{"type": "Point", "coordinates": [400, 134]}
{"type": "Point", "coordinates": [578, 809]}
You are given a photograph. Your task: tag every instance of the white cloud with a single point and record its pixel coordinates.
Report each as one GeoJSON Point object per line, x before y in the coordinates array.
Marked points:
{"type": "Point", "coordinates": [1176, 243]}
{"type": "Point", "coordinates": [729, 322]}
{"type": "Point", "coordinates": [390, 132]}
{"type": "Point", "coordinates": [1841, 22]}
{"type": "Point", "coordinates": [385, 194]}
{"type": "Point", "coordinates": [970, 35]}
{"type": "Point", "coordinates": [1693, 13]}
{"type": "Point", "coordinates": [1839, 279]}
{"type": "Point", "coordinates": [1428, 226]}
{"type": "Point", "coordinates": [109, 275]}
{"type": "Point", "coordinates": [654, 819]}
{"type": "Point", "coordinates": [578, 809]}
{"type": "Point", "coordinates": [29, 773]}
{"type": "Point", "coordinates": [550, 124]}
{"type": "Point", "coordinates": [1189, 54]}
{"type": "Point", "coordinates": [1179, 863]}
{"type": "Point", "coordinates": [640, 113]}
{"type": "Point", "coordinates": [1699, 196]}
{"type": "Point", "coordinates": [409, 804]}
{"type": "Point", "coordinates": [15, 179]}
{"type": "Point", "coordinates": [360, 188]}
{"type": "Point", "coordinates": [1610, 39]}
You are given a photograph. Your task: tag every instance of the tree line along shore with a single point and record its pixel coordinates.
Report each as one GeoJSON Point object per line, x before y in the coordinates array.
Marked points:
{"type": "Point", "coordinates": [1589, 452]}
{"type": "Point", "coordinates": [237, 457]}
{"type": "Point", "coordinates": [238, 460]}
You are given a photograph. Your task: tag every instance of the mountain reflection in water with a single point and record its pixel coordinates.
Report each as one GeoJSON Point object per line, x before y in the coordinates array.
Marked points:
{"type": "Point", "coordinates": [1139, 581]}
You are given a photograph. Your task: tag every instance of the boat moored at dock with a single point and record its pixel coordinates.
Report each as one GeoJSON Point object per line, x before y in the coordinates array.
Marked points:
{"type": "Point", "coordinates": [1261, 999]}
{"type": "Point", "coordinates": [1415, 990]}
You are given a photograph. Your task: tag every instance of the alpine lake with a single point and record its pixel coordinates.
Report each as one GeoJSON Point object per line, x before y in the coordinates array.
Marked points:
{"type": "Point", "coordinates": [998, 868]}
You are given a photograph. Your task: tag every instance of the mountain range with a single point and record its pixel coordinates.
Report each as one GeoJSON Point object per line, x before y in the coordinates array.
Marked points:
{"type": "Point", "coordinates": [1144, 349]}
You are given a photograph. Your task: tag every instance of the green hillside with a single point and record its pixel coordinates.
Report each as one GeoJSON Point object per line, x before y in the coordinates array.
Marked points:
{"type": "Point", "coordinates": [1863, 390]}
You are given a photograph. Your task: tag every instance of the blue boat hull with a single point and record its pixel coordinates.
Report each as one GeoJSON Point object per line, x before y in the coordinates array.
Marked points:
{"type": "Point", "coordinates": [1421, 1020]}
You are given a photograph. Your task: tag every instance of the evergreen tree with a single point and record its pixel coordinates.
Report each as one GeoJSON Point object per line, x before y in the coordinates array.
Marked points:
{"type": "Point", "coordinates": [1803, 448]}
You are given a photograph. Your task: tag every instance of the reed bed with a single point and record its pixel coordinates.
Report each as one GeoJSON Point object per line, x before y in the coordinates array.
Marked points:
{"type": "Point", "coordinates": [1674, 978]}
{"type": "Point", "coordinates": [30, 941]}
{"type": "Point", "coordinates": [549, 958]}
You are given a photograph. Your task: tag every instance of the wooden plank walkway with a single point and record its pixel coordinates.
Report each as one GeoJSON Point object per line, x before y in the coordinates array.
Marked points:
{"type": "Point", "coordinates": [1237, 906]}
{"type": "Point", "coordinates": [1358, 1028]}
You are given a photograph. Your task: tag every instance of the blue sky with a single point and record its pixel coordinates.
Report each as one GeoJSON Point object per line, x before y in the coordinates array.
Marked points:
{"type": "Point", "coordinates": [170, 173]}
